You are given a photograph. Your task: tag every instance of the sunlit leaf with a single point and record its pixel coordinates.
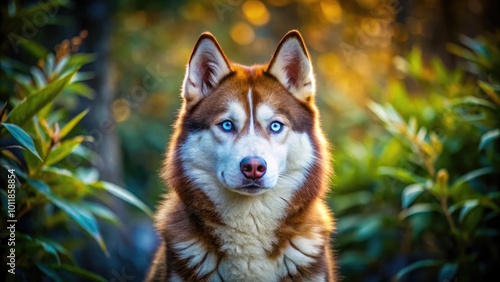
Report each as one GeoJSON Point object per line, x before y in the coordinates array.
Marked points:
{"type": "Point", "coordinates": [60, 179]}
{"type": "Point", "coordinates": [417, 265]}
{"type": "Point", "coordinates": [460, 51]}
{"type": "Point", "coordinates": [37, 101]}
{"type": "Point", "coordinates": [62, 150]}
{"type": "Point", "coordinates": [400, 174]}
{"type": "Point", "coordinates": [22, 137]}
{"type": "Point", "coordinates": [72, 123]}
{"type": "Point", "coordinates": [80, 59]}
{"type": "Point", "coordinates": [415, 62]}
{"type": "Point", "coordinates": [490, 91]}
{"type": "Point", "coordinates": [124, 195]}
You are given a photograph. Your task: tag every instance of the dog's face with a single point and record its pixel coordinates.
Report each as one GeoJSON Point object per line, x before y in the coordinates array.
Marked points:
{"type": "Point", "coordinates": [248, 129]}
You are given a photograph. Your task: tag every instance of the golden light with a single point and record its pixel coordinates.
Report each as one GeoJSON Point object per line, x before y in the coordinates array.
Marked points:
{"type": "Point", "coordinates": [331, 11]}
{"type": "Point", "coordinates": [242, 33]}
{"type": "Point", "coordinates": [370, 26]}
{"type": "Point", "coordinates": [136, 21]}
{"type": "Point", "coordinates": [121, 110]}
{"type": "Point", "coordinates": [256, 12]}
{"type": "Point", "coordinates": [328, 63]}
{"type": "Point", "coordinates": [368, 4]}
{"type": "Point", "coordinates": [279, 3]}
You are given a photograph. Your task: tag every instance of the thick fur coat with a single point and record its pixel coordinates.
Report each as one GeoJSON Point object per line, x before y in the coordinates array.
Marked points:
{"type": "Point", "coordinates": [248, 168]}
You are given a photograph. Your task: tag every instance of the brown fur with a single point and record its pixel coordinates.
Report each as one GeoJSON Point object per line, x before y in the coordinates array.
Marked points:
{"type": "Point", "coordinates": [187, 213]}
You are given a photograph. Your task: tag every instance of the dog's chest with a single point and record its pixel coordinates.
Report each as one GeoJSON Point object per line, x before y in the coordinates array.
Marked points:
{"type": "Point", "coordinates": [246, 241]}
{"type": "Point", "coordinates": [246, 249]}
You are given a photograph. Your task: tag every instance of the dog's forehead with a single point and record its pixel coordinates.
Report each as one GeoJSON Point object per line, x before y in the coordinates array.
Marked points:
{"type": "Point", "coordinates": [251, 87]}
{"type": "Point", "coordinates": [257, 87]}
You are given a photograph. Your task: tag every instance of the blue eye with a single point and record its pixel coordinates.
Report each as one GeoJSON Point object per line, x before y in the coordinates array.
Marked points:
{"type": "Point", "coordinates": [226, 125]}
{"type": "Point", "coordinates": [276, 126]}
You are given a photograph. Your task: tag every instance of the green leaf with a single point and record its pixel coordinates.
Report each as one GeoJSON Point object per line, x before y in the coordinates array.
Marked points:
{"type": "Point", "coordinates": [418, 209]}
{"type": "Point", "coordinates": [123, 194]}
{"type": "Point", "coordinates": [400, 174]}
{"type": "Point", "coordinates": [80, 59]}
{"type": "Point", "coordinates": [81, 89]}
{"type": "Point", "coordinates": [47, 247]}
{"type": "Point", "coordinates": [488, 137]}
{"type": "Point", "coordinates": [71, 124]}
{"type": "Point", "coordinates": [448, 272]}
{"type": "Point", "coordinates": [461, 52]}
{"type": "Point", "coordinates": [33, 47]}
{"type": "Point", "coordinates": [476, 46]}
{"type": "Point", "coordinates": [38, 77]}
{"type": "Point", "coordinates": [82, 216]}
{"type": "Point", "coordinates": [490, 91]}
{"type": "Point", "coordinates": [87, 275]}
{"type": "Point", "coordinates": [419, 264]}
{"type": "Point", "coordinates": [410, 193]}
{"type": "Point", "coordinates": [62, 150]}
{"type": "Point", "coordinates": [49, 272]}
{"type": "Point", "coordinates": [470, 176]}
{"type": "Point", "coordinates": [471, 100]}
{"type": "Point", "coordinates": [60, 179]}
{"type": "Point", "coordinates": [37, 101]}
{"type": "Point", "coordinates": [415, 62]}
{"type": "Point", "coordinates": [60, 249]}
{"type": "Point", "coordinates": [102, 212]}
{"type": "Point", "coordinates": [22, 137]}
{"type": "Point", "coordinates": [468, 207]}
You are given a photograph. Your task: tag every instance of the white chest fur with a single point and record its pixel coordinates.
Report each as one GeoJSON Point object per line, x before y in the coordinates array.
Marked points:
{"type": "Point", "coordinates": [247, 238]}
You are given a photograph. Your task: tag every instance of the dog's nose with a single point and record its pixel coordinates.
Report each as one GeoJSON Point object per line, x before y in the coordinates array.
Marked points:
{"type": "Point", "coordinates": [253, 167]}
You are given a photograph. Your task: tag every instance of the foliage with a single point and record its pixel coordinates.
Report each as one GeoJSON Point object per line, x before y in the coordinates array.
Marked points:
{"type": "Point", "coordinates": [422, 202]}
{"type": "Point", "coordinates": [57, 190]}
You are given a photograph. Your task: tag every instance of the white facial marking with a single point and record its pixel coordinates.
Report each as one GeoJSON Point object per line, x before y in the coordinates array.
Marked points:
{"type": "Point", "coordinates": [250, 104]}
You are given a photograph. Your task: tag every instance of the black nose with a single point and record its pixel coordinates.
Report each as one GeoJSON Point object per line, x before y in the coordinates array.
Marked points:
{"type": "Point", "coordinates": [253, 167]}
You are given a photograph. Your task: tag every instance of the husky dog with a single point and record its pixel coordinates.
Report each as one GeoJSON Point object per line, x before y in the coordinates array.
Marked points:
{"type": "Point", "coordinates": [248, 168]}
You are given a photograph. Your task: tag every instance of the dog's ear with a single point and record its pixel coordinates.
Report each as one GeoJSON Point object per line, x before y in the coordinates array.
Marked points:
{"type": "Point", "coordinates": [207, 66]}
{"type": "Point", "coordinates": [291, 65]}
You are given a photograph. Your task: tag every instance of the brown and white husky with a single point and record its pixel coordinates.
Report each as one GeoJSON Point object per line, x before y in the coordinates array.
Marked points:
{"type": "Point", "coordinates": [248, 168]}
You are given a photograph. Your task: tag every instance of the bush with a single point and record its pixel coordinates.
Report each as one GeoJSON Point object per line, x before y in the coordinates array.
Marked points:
{"type": "Point", "coordinates": [425, 196]}
{"type": "Point", "coordinates": [52, 186]}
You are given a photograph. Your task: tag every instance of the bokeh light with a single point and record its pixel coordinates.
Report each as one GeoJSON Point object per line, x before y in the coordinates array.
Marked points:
{"type": "Point", "coordinates": [242, 33]}
{"type": "Point", "coordinates": [256, 12]}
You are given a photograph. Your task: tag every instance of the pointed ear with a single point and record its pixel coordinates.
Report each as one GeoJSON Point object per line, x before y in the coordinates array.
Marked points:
{"type": "Point", "coordinates": [291, 65]}
{"type": "Point", "coordinates": [206, 68]}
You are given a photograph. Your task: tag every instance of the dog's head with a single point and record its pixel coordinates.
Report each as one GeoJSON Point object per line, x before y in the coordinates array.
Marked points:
{"type": "Point", "coordinates": [248, 130]}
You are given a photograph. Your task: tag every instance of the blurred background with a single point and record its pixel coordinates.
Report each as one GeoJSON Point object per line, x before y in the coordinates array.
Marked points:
{"type": "Point", "coordinates": [408, 93]}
